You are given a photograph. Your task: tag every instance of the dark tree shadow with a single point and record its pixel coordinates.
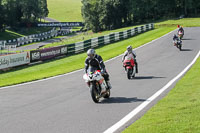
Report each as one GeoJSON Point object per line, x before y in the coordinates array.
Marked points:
{"type": "Point", "coordinates": [146, 77]}
{"type": "Point", "coordinates": [121, 100]}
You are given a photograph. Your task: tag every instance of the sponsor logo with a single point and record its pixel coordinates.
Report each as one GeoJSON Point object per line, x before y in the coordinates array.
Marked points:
{"type": "Point", "coordinates": [63, 50]}
{"type": "Point", "coordinates": [4, 61]}
{"type": "Point", "coordinates": [14, 60]}
{"type": "Point", "coordinates": [35, 55]}
{"type": "Point", "coordinates": [60, 24]}
{"type": "Point", "coordinates": [50, 53]}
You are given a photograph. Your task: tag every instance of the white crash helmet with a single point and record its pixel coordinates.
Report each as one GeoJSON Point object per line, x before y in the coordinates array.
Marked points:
{"type": "Point", "coordinates": [129, 49]}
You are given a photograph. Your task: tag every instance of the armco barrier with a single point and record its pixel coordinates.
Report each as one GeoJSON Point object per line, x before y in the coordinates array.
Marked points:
{"type": "Point", "coordinates": [33, 38]}
{"type": "Point", "coordinates": [107, 39]}
{"type": "Point", "coordinates": [2, 45]}
{"type": "Point", "coordinates": [70, 49]}
{"type": "Point", "coordinates": [92, 43]}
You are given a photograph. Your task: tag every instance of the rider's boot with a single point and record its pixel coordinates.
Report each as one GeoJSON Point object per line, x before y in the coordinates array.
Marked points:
{"type": "Point", "coordinates": [136, 66]}
{"type": "Point", "coordinates": [136, 69]}
{"type": "Point", "coordinates": [109, 85]}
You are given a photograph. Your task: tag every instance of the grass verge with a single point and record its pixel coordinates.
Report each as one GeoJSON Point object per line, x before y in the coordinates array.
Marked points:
{"type": "Point", "coordinates": [185, 22]}
{"type": "Point", "coordinates": [11, 34]}
{"type": "Point", "coordinates": [65, 65]}
{"type": "Point", "coordinates": [7, 35]}
{"type": "Point", "coordinates": [178, 112]}
{"type": "Point", "coordinates": [86, 36]}
{"type": "Point", "coordinates": [65, 10]}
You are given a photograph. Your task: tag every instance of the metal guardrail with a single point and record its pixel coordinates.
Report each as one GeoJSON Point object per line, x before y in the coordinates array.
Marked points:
{"type": "Point", "coordinates": [79, 47]}
{"type": "Point", "coordinates": [30, 39]}
{"type": "Point", "coordinates": [75, 48]}
{"type": "Point", "coordinates": [34, 38]}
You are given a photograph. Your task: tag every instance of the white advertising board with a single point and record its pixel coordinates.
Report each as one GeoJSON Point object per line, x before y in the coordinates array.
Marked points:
{"type": "Point", "coordinates": [14, 60]}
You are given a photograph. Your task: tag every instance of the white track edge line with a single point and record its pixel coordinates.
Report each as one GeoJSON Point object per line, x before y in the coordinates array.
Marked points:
{"type": "Point", "coordinates": [128, 117]}
{"type": "Point", "coordinates": [31, 82]}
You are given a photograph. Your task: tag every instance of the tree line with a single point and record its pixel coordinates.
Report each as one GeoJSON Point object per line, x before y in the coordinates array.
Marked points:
{"type": "Point", "coordinates": [14, 13]}
{"type": "Point", "coordinates": [101, 15]}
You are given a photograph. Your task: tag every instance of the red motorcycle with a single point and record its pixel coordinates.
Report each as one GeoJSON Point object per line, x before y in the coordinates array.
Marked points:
{"type": "Point", "coordinates": [180, 34]}
{"type": "Point", "coordinates": [129, 65]}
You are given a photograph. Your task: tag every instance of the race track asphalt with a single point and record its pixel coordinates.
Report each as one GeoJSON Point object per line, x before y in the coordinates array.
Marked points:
{"type": "Point", "coordinates": [64, 105]}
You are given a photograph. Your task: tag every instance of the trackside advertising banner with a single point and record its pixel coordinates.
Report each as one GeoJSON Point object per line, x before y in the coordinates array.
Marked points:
{"type": "Point", "coordinates": [14, 60]}
{"type": "Point", "coordinates": [60, 24]}
{"type": "Point", "coordinates": [48, 53]}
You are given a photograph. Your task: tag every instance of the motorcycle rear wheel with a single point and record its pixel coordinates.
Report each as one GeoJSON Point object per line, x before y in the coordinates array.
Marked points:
{"type": "Point", "coordinates": [94, 93]}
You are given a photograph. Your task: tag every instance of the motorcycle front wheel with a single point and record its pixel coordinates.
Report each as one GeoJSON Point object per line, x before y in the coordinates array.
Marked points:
{"type": "Point", "coordinates": [94, 93]}
{"type": "Point", "coordinates": [133, 72]}
{"type": "Point", "coordinates": [129, 73]}
{"type": "Point", "coordinates": [107, 94]}
{"type": "Point", "coordinates": [180, 47]}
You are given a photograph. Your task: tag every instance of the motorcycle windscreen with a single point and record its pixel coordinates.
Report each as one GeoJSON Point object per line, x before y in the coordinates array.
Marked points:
{"type": "Point", "coordinates": [91, 70]}
{"type": "Point", "coordinates": [129, 57]}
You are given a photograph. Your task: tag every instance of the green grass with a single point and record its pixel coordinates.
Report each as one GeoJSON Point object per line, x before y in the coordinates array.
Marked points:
{"type": "Point", "coordinates": [75, 62]}
{"type": "Point", "coordinates": [7, 35]}
{"type": "Point", "coordinates": [86, 36]}
{"type": "Point", "coordinates": [185, 22]}
{"type": "Point", "coordinates": [34, 30]}
{"type": "Point", "coordinates": [178, 112]}
{"type": "Point", "coordinates": [65, 65]}
{"type": "Point", "coordinates": [11, 34]}
{"type": "Point", "coordinates": [65, 10]}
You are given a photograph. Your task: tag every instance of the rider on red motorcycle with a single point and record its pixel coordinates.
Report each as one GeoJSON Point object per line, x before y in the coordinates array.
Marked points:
{"type": "Point", "coordinates": [96, 61]}
{"type": "Point", "coordinates": [130, 51]}
{"type": "Point", "coordinates": [180, 29]}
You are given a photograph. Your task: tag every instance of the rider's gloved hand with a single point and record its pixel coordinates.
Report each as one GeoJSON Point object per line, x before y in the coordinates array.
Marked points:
{"type": "Point", "coordinates": [102, 71]}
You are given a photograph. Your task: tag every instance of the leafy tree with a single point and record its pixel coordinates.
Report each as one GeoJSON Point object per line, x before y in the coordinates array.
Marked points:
{"type": "Point", "coordinates": [1, 16]}
{"type": "Point", "coordinates": [92, 12]}
{"type": "Point", "coordinates": [111, 14]}
{"type": "Point", "coordinates": [13, 13]}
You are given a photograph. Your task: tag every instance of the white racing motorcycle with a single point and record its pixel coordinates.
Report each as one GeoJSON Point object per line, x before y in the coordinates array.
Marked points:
{"type": "Point", "coordinates": [97, 84]}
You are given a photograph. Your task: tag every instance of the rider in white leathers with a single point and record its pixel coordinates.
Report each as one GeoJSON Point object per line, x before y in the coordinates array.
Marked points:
{"type": "Point", "coordinates": [127, 53]}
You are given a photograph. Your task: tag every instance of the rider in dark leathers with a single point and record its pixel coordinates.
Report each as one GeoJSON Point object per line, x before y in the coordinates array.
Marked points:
{"type": "Point", "coordinates": [96, 61]}
{"type": "Point", "coordinates": [175, 37]}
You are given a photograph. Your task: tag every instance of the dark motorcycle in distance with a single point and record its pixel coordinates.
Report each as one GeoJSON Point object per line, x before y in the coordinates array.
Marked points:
{"type": "Point", "coordinates": [178, 43]}
{"type": "Point", "coordinates": [129, 65]}
{"type": "Point", "coordinates": [97, 84]}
